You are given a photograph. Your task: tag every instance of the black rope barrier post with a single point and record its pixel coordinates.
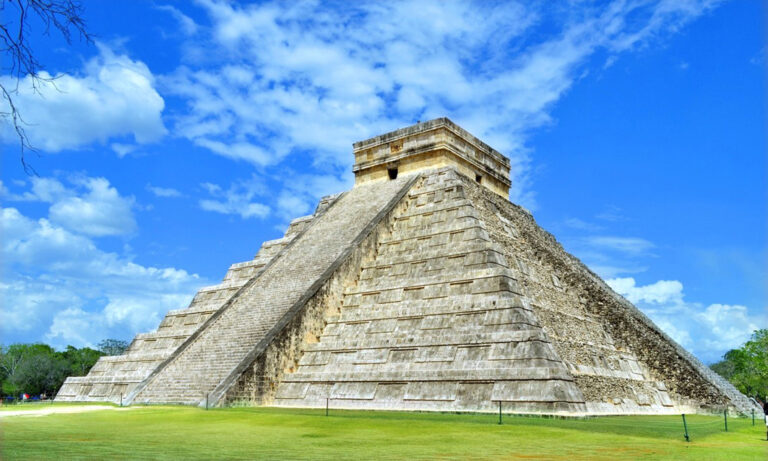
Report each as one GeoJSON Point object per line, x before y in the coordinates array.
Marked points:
{"type": "Point", "coordinates": [753, 416]}
{"type": "Point", "coordinates": [685, 427]}
{"type": "Point", "coordinates": [206, 401]}
{"type": "Point", "coordinates": [725, 419]}
{"type": "Point", "coordinates": [499, 411]}
{"type": "Point", "coordinates": [121, 399]}
{"type": "Point", "coordinates": [326, 405]}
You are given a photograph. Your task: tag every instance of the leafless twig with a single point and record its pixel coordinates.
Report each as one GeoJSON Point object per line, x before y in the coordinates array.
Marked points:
{"type": "Point", "coordinates": [19, 59]}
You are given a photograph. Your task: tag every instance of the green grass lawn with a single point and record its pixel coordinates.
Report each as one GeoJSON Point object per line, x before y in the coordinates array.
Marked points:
{"type": "Point", "coordinates": [268, 433]}
{"type": "Point", "coordinates": [37, 405]}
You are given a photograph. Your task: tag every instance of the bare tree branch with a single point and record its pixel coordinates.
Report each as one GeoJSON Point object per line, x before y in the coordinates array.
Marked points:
{"type": "Point", "coordinates": [19, 60]}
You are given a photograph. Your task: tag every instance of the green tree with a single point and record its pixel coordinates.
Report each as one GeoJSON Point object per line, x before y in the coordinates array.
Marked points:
{"type": "Point", "coordinates": [10, 360]}
{"type": "Point", "coordinates": [80, 360]}
{"type": "Point", "coordinates": [38, 368]}
{"type": "Point", "coordinates": [747, 367]}
{"type": "Point", "coordinates": [33, 368]}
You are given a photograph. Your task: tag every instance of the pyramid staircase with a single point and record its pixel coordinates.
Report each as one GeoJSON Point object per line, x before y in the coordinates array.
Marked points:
{"type": "Point", "coordinates": [113, 378]}
{"type": "Point", "coordinates": [204, 367]}
{"type": "Point", "coordinates": [436, 320]}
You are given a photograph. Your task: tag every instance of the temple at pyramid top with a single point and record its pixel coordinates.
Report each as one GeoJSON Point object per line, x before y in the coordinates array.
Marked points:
{"type": "Point", "coordinates": [433, 144]}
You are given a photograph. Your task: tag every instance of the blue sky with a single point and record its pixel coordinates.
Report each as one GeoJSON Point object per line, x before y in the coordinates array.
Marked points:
{"type": "Point", "coordinates": [191, 132]}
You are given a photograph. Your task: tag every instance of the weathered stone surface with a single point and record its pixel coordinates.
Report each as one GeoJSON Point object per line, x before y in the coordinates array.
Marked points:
{"type": "Point", "coordinates": [114, 378]}
{"type": "Point", "coordinates": [208, 364]}
{"type": "Point", "coordinates": [435, 309]}
{"type": "Point", "coordinates": [431, 145]}
{"type": "Point", "coordinates": [428, 291]}
{"type": "Point", "coordinates": [621, 361]}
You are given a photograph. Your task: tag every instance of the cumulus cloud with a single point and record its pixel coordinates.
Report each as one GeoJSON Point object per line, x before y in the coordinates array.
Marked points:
{"type": "Point", "coordinates": [309, 77]}
{"type": "Point", "coordinates": [661, 292]}
{"type": "Point", "coordinates": [708, 331]}
{"type": "Point", "coordinates": [114, 96]}
{"type": "Point", "coordinates": [59, 286]}
{"type": "Point", "coordinates": [100, 211]}
{"type": "Point", "coordinates": [90, 206]}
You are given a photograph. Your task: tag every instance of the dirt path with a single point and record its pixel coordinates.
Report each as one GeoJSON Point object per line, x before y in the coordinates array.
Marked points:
{"type": "Point", "coordinates": [53, 409]}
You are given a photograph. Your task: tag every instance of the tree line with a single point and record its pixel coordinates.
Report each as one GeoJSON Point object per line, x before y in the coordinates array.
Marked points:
{"type": "Point", "coordinates": [38, 369]}
{"type": "Point", "coordinates": [747, 367]}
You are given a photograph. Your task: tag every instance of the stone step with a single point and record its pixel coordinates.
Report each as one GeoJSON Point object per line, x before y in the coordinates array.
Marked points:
{"type": "Point", "coordinates": [442, 324]}
{"type": "Point", "coordinates": [538, 373]}
{"type": "Point", "coordinates": [214, 355]}
{"type": "Point", "coordinates": [435, 212]}
{"type": "Point", "coordinates": [429, 273]}
{"type": "Point", "coordinates": [465, 248]}
{"type": "Point", "coordinates": [491, 284]}
{"type": "Point", "coordinates": [333, 343]}
{"type": "Point", "coordinates": [430, 358]}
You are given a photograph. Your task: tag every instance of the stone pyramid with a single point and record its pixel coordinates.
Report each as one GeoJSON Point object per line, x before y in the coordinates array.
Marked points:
{"type": "Point", "coordinates": [421, 288]}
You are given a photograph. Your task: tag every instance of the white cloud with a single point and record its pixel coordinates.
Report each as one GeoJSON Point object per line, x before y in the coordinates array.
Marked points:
{"type": "Point", "coordinates": [629, 245]}
{"type": "Point", "coordinates": [707, 331]}
{"type": "Point", "coordinates": [298, 195]}
{"type": "Point", "coordinates": [164, 191]}
{"type": "Point", "coordinates": [310, 77]}
{"type": "Point", "coordinates": [122, 149]}
{"type": "Point", "coordinates": [237, 206]}
{"type": "Point", "coordinates": [43, 190]}
{"type": "Point", "coordinates": [731, 325]}
{"type": "Point", "coordinates": [113, 97]}
{"type": "Point", "coordinates": [607, 270]}
{"type": "Point", "coordinates": [238, 151]}
{"type": "Point", "coordinates": [59, 287]}
{"type": "Point", "coordinates": [187, 25]}
{"type": "Point", "coordinates": [292, 206]}
{"type": "Point", "coordinates": [607, 255]}
{"type": "Point", "coordinates": [661, 292]}
{"type": "Point", "coordinates": [91, 206]}
{"type": "Point", "coordinates": [580, 224]}
{"type": "Point", "coordinates": [302, 191]}
{"type": "Point", "coordinates": [612, 213]}
{"type": "Point", "coordinates": [100, 211]}
{"type": "Point", "coordinates": [237, 200]}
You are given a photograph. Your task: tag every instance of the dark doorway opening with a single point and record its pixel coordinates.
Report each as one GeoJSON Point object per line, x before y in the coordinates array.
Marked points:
{"type": "Point", "coordinates": [392, 173]}
{"type": "Point", "coordinates": [478, 178]}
